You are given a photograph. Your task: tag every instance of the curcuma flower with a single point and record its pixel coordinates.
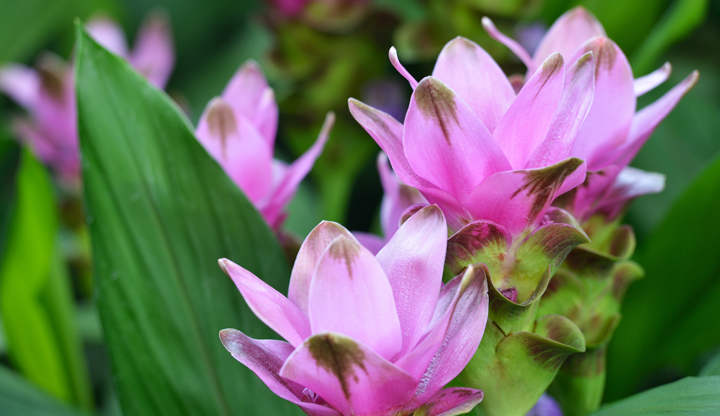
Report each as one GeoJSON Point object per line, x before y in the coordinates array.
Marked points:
{"type": "Point", "coordinates": [238, 129]}
{"type": "Point", "coordinates": [48, 92]}
{"type": "Point", "coordinates": [613, 131]}
{"type": "Point", "coordinates": [367, 335]}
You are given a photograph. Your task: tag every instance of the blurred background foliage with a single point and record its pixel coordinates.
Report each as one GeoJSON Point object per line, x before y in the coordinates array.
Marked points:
{"type": "Point", "coordinates": [315, 63]}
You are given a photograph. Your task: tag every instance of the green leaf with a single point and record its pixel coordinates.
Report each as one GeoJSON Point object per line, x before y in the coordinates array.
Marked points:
{"type": "Point", "coordinates": [161, 212]}
{"type": "Point", "coordinates": [689, 396]}
{"type": "Point", "coordinates": [35, 296]}
{"type": "Point", "coordinates": [670, 317]}
{"type": "Point", "coordinates": [20, 398]}
{"type": "Point", "coordinates": [712, 368]}
{"type": "Point", "coordinates": [9, 160]}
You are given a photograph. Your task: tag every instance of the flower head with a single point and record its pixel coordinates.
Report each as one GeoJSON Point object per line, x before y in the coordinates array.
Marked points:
{"type": "Point", "coordinates": [238, 129]}
{"type": "Point", "coordinates": [367, 335]}
{"type": "Point", "coordinates": [47, 92]}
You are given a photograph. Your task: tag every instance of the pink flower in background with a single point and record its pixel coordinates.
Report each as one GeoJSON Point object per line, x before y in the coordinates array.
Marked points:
{"type": "Point", "coordinates": [397, 198]}
{"type": "Point", "coordinates": [48, 92]}
{"type": "Point", "coordinates": [367, 335]}
{"type": "Point", "coordinates": [613, 132]}
{"type": "Point", "coordinates": [474, 148]}
{"type": "Point", "coordinates": [238, 129]}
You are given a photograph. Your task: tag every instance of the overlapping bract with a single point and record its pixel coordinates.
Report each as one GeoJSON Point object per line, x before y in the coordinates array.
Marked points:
{"type": "Point", "coordinates": [613, 132]}
{"type": "Point", "coordinates": [238, 130]}
{"type": "Point", "coordinates": [48, 91]}
{"type": "Point", "coordinates": [367, 335]}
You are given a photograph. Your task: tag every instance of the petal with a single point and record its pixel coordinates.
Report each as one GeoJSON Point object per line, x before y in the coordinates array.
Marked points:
{"type": "Point", "coordinates": [108, 34]}
{"type": "Point", "coordinates": [586, 196]}
{"type": "Point", "coordinates": [451, 401]}
{"type": "Point", "coordinates": [518, 199]}
{"type": "Point", "coordinates": [476, 78]}
{"type": "Point", "coordinates": [351, 377]}
{"type": "Point", "coordinates": [413, 261]}
{"type": "Point", "coordinates": [296, 172]}
{"type": "Point", "coordinates": [350, 294]}
{"type": "Point", "coordinates": [455, 214]}
{"type": "Point", "coordinates": [525, 124]}
{"type": "Point", "coordinates": [574, 106]}
{"type": "Point", "coordinates": [446, 143]}
{"type": "Point", "coordinates": [307, 259]}
{"type": "Point", "coordinates": [154, 52]}
{"type": "Point", "coordinates": [249, 95]}
{"type": "Point", "coordinates": [650, 81]}
{"type": "Point", "coordinates": [545, 406]}
{"type": "Point", "coordinates": [515, 47]}
{"type": "Point", "coordinates": [395, 61]}
{"type": "Point", "coordinates": [632, 183]}
{"type": "Point", "coordinates": [607, 124]}
{"type": "Point", "coordinates": [265, 358]}
{"type": "Point", "coordinates": [238, 148]}
{"type": "Point", "coordinates": [397, 198]}
{"type": "Point", "coordinates": [647, 119]}
{"type": "Point", "coordinates": [569, 32]}
{"type": "Point", "coordinates": [274, 309]}
{"type": "Point", "coordinates": [371, 242]}
{"type": "Point", "coordinates": [21, 84]}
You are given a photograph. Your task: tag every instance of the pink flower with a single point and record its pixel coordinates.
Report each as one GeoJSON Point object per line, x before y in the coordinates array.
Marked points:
{"type": "Point", "coordinates": [367, 335]}
{"type": "Point", "coordinates": [613, 132]}
{"type": "Point", "coordinates": [397, 200]}
{"type": "Point", "coordinates": [48, 92]}
{"type": "Point", "coordinates": [238, 130]}
{"type": "Point", "coordinates": [474, 148]}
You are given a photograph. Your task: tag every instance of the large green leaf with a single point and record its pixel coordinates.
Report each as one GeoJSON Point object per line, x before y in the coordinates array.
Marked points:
{"type": "Point", "coordinates": [35, 296]}
{"type": "Point", "coordinates": [690, 396]}
{"type": "Point", "coordinates": [20, 398]}
{"type": "Point", "coordinates": [670, 317]}
{"type": "Point", "coordinates": [712, 368]}
{"type": "Point", "coordinates": [161, 212]}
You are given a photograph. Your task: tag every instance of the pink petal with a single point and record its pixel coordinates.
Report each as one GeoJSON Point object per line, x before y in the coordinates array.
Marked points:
{"type": "Point", "coordinates": [446, 143]}
{"type": "Point", "coordinates": [455, 214]}
{"type": "Point", "coordinates": [371, 242]}
{"type": "Point", "coordinates": [574, 106]}
{"type": "Point", "coordinates": [351, 377]}
{"type": "Point", "coordinates": [290, 8]}
{"type": "Point", "coordinates": [398, 197]}
{"type": "Point", "coordinates": [249, 95]}
{"type": "Point", "coordinates": [589, 194]}
{"type": "Point", "coordinates": [650, 81]}
{"type": "Point", "coordinates": [154, 52]}
{"type": "Point", "coordinates": [296, 172]}
{"type": "Point", "coordinates": [647, 119]}
{"type": "Point", "coordinates": [395, 61]}
{"type": "Point", "coordinates": [632, 183]}
{"type": "Point", "coordinates": [476, 78]}
{"type": "Point", "coordinates": [518, 199]}
{"type": "Point", "coordinates": [108, 34]}
{"type": "Point", "coordinates": [515, 47]}
{"type": "Point", "coordinates": [21, 84]}
{"type": "Point", "coordinates": [526, 123]}
{"type": "Point", "coordinates": [350, 294]}
{"type": "Point", "coordinates": [569, 32]}
{"type": "Point", "coordinates": [413, 261]}
{"type": "Point", "coordinates": [55, 111]}
{"type": "Point", "coordinates": [451, 401]}
{"type": "Point", "coordinates": [545, 406]}
{"type": "Point", "coordinates": [608, 122]}
{"type": "Point", "coordinates": [238, 148]}
{"type": "Point", "coordinates": [274, 309]}
{"type": "Point", "coordinates": [265, 358]}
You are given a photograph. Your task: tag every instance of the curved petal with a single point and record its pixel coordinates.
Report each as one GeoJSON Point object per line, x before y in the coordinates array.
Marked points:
{"type": "Point", "coordinates": [569, 32]}
{"type": "Point", "coordinates": [238, 147]}
{"type": "Point", "coordinates": [525, 124]}
{"type": "Point", "coordinates": [650, 81]}
{"type": "Point", "coordinates": [451, 401]}
{"type": "Point", "coordinates": [350, 294]}
{"type": "Point", "coordinates": [413, 261]}
{"type": "Point", "coordinates": [351, 377]}
{"type": "Point", "coordinates": [398, 198]}
{"type": "Point", "coordinates": [518, 199]}
{"type": "Point", "coordinates": [586, 196]}
{"type": "Point", "coordinates": [265, 358]}
{"type": "Point", "coordinates": [515, 47]}
{"type": "Point", "coordinates": [20, 83]}
{"type": "Point", "coordinates": [395, 61]}
{"type": "Point", "coordinates": [476, 78]}
{"type": "Point", "coordinates": [307, 259]}
{"type": "Point", "coordinates": [108, 34]}
{"type": "Point", "coordinates": [154, 51]}
{"type": "Point", "coordinates": [630, 184]}
{"type": "Point", "coordinates": [455, 214]}
{"type": "Point", "coordinates": [446, 143]}
{"type": "Point", "coordinates": [249, 95]}
{"type": "Point", "coordinates": [607, 124]}
{"type": "Point", "coordinates": [295, 173]}
{"type": "Point", "coordinates": [372, 242]}
{"type": "Point", "coordinates": [574, 106]}
{"type": "Point", "coordinates": [274, 309]}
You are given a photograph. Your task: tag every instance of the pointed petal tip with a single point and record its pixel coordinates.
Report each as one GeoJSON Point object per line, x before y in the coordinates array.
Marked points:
{"type": "Point", "coordinates": [395, 61]}
{"type": "Point", "coordinates": [488, 24]}
{"type": "Point", "coordinates": [223, 263]}
{"type": "Point", "coordinates": [553, 63]}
